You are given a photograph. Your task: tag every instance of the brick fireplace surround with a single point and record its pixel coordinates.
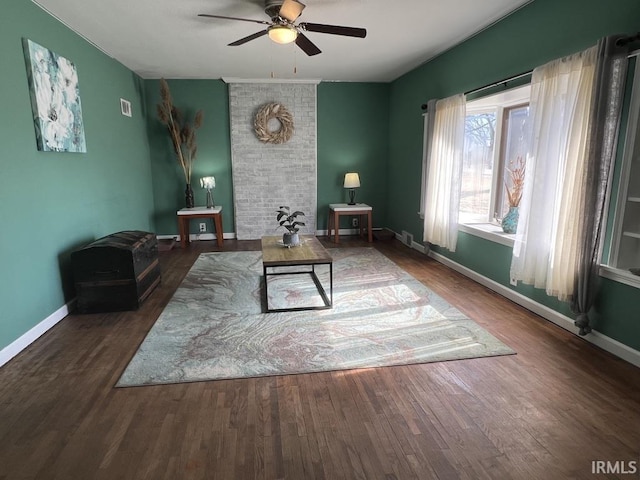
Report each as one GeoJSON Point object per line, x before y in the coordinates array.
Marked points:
{"type": "Point", "coordinates": [265, 175]}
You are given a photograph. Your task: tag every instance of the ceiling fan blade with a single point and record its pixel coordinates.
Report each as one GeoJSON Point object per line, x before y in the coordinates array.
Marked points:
{"type": "Point", "coordinates": [307, 45]}
{"type": "Point", "coordinates": [234, 18]}
{"type": "Point", "coordinates": [334, 29]}
{"type": "Point", "coordinates": [291, 10]}
{"type": "Point", "coordinates": [244, 40]}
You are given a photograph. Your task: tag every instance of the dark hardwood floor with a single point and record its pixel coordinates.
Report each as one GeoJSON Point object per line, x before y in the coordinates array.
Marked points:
{"type": "Point", "coordinates": [548, 412]}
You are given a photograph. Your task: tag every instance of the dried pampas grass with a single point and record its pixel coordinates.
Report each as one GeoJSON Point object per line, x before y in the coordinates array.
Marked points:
{"type": "Point", "coordinates": [181, 132]}
{"type": "Point", "coordinates": [516, 172]}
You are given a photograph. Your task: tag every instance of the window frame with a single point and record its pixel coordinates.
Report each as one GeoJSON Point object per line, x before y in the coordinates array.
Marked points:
{"type": "Point", "coordinates": [500, 103]}
{"type": "Point", "coordinates": [471, 219]}
{"type": "Point", "coordinates": [501, 191]}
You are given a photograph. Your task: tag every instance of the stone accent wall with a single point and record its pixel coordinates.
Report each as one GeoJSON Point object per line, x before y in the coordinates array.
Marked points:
{"type": "Point", "coordinates": [266, 176]}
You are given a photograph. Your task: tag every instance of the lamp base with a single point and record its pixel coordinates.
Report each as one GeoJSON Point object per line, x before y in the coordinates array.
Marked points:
{"type": "Point", "coordinates": [352, 196]}
{"type": "Point", "coordinates": [209, 199]}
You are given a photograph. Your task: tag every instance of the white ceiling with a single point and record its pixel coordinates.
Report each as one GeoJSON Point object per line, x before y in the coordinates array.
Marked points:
{"type": "Point", "coordinates": [166, 38]}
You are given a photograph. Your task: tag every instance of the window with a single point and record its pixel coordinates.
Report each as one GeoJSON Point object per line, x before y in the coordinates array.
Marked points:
{"type": "Point", "coordinates": [494, 146]}
{"type": "Point", "coordinates": [623, 259]}
{"type": "Point", "coordinates": [478, 165]}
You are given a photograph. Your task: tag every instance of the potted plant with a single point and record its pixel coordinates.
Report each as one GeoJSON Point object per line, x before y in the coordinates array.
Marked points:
{"type": "Point", "coordinates": [289, 220]}
{"type": "Point", "coordinates": [514, 195]}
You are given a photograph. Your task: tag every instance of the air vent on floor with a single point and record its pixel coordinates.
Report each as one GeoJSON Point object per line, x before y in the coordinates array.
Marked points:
{"type": "Point", "coordinates": [407, 238]}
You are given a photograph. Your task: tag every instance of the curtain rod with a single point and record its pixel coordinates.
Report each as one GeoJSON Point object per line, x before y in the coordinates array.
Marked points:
{"type": "Point", "coordinates": [495, 84]}
{"type": "Point", "coordinates": [489, 85]}
{"type": "Point", "coordinates": [621, 42]}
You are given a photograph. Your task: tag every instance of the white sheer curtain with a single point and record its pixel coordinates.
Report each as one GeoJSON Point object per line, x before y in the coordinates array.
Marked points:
{"type": "Point", "coordinates": [547, 242]}
{"type": "Point", "coordinates": [444, 171]}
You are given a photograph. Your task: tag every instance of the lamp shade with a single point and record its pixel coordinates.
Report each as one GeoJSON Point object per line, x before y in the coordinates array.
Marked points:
{"type": "Point", "coordinates": [351, 180]}
{"type": "Point", "coordinates": [208, 182]}
{"type": "Point", "coordinates": [282, 34]}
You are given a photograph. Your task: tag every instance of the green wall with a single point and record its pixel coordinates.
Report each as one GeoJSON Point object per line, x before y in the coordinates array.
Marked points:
{"type": "Point", "coordinates": [352, 129]}
{"type": "Point", "coordinates": [129, 178]}
{"type": "Point", "coordinates": [353, 126]}
{"type": "Point", "coordinates": [52, 203]}
{"type": "Point", "coordinates": [214, 151]}
{"type": "Point", "coordinates": [540, 32]}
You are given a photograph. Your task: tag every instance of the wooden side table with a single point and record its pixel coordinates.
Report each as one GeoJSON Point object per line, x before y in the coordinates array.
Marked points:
{"type": "Point", "coordinates": [359, 209]}
{"type": "Point", "coordinates": [186, 214]}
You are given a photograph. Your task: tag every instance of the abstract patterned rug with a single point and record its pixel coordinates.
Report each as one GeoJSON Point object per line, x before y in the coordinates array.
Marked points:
{"type": "Point", "coordinates": [214, 328]}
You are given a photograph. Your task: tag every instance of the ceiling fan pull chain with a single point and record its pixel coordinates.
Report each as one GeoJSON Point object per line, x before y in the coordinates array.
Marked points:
{"type": "Point", "coordinates": [271, 61]}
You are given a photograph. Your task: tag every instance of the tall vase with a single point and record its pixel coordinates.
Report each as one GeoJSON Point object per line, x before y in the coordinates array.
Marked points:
{"type": "Point", "coordinates": [510, 220]}
{"type": "Point", "coordinates": [188, 196]}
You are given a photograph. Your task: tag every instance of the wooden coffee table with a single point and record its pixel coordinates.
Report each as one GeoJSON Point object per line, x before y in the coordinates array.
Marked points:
{"type": "Point", "coordinates": [310, 253]}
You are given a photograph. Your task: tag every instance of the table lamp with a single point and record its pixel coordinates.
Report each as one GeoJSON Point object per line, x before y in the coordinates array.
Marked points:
{"type": "Point", "coordinates": [352, 181]}
{"type": "Point", "coordinates": [208, 183]}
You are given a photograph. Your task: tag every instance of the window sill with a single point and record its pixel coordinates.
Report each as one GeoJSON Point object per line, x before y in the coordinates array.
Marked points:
{"type": "Point", "coordinates": [620, 276]}
{"type": "Point", "coordinates": [494, 233]}
{"type": "Point", "coordinates": [488, 231]}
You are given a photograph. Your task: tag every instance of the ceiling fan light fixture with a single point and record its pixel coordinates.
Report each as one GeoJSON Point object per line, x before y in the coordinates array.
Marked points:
{"type": "Point", "coordinates": [283, 34]}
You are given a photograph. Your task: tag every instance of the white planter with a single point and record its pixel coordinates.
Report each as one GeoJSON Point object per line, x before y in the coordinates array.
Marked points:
{"type": "Point", "coordinates": [291, 239]}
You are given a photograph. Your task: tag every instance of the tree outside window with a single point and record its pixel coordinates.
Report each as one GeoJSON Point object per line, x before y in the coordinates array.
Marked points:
{"type": "Point", "coordinates": [495, 145]}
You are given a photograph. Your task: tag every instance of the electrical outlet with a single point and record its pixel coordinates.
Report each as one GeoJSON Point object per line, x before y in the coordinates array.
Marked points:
{"type": "Point", "coordinates": [513, 282]}
{"type": "Point", "coordinates": [203, 227]}
{"type": "Point", "coordinates": [354, 222]}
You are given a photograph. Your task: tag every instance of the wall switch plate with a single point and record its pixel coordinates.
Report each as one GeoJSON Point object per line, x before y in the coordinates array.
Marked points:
{"type": "Point", "coordinates": [203, 227]}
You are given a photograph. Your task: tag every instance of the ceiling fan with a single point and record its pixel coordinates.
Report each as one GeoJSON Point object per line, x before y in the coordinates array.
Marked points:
{"type": "Point", "coordinates": [282, 29]}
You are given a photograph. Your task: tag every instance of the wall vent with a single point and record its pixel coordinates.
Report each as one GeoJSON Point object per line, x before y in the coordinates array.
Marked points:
{"type": "Point", "coordinates": [125, 107]}
{"type": "Point", "coordinates": [407, 238]}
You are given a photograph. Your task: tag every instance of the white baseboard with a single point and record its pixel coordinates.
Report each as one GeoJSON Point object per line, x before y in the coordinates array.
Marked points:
{"type": "Point", "coordinates": [609, 344]}
{"type": "Point", "coordinates": [606, 343]}
{"type": "Point", "coordinates": [343, 231]}
{"type": "Point", "coordinates": [232, 235]}
{"type": "Point", "coordinates": [198, 236]}
{"type": "Point", "coordinates": [415, 245]}
{"type": "Point", "coordinates": [14, 348]}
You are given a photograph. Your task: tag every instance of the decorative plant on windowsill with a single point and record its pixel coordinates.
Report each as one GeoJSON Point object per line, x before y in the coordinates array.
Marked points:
{"type": "Point", "coordinates": [290, 222]}
{"type": "Point", "coordinates": [182, 134]}
{"type": "Point", "coordinates": [514, 195]}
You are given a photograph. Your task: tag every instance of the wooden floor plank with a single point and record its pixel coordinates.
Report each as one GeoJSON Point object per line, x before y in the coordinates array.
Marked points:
{"type": "Point", "coordinates": [547, 412]}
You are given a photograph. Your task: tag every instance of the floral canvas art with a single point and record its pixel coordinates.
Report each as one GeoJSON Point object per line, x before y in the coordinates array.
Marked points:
{"type": "Point", "coordinates": [55, 100]}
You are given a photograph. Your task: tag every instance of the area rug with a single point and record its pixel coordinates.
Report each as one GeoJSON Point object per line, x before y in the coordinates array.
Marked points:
{"type": "Point", "coordinates": [214, 328]}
